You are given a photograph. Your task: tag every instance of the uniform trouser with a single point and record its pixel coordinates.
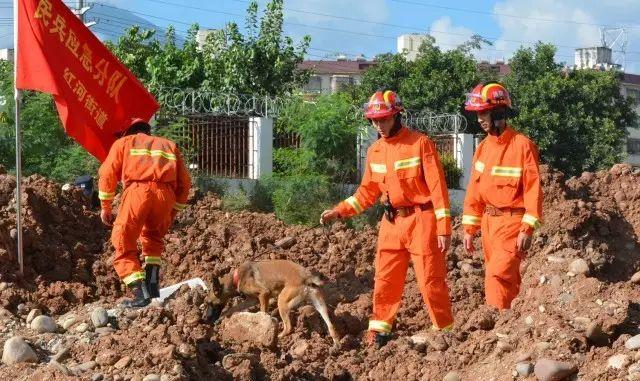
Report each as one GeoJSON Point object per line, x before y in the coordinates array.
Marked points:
{"type": "Point", "coordinates": [502, 259]}
{"type": "Point", "coordinates": [145, 213]}
{"type": "Point", "coordinates": [412, 237]}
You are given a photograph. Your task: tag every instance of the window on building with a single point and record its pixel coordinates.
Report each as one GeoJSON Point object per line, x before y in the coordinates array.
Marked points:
{"type": "Point", "coordinates": [634, 95]}
{"type": "Point", "coordinates": [315, 84]}
{"type": "Point", "coordinates": [633, 146]}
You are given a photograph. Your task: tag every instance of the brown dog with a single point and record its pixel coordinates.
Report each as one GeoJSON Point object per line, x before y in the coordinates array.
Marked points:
{"type": "Point", "coordinates": [285, 280]}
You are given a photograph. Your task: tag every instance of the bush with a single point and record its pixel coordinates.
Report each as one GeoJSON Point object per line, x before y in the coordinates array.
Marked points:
{"type": "Point", "coordinates": [236, 201]}
{"type": "Point", "coordinates": [451, 170]}
{"type": "Point", "coordinates": [300, 199]}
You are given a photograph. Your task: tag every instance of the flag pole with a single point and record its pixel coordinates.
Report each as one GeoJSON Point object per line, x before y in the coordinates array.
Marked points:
{"type": "Point", "coordinates": [16, 95]}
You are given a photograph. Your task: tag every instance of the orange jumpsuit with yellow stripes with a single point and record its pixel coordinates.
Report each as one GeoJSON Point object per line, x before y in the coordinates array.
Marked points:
{"type": "Point", "coordinates": [156, 182]}
{"type": "Point", "coordinates": [504, 198]}
{"type": "Point", "coordinates": [407, 169]}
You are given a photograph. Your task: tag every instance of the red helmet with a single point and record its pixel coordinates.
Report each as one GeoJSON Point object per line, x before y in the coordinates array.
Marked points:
{"type": "Point", "coordinates": [487, 97]}
{"type": "Point", "coordinates": [382, 105]}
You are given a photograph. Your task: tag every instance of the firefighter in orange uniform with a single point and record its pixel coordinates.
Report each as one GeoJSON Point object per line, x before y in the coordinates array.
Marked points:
{"type": "Point", "coordinates": [156, 186]}
{"type": "Point", "coordinates": [504, 196]}
{"type": "Point", "coordinates": [404, 170]}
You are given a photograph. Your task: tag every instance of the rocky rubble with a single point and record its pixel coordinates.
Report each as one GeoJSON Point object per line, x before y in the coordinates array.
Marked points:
{"type": "Point", "coordinates": [577, 315]}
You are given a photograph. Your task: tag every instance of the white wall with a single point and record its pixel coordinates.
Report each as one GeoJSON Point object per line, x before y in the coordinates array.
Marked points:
{"type": "Point", "coordinates": [260, 147]}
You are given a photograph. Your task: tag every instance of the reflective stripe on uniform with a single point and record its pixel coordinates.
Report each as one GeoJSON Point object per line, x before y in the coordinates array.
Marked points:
{"type": "Point", "coordinates": [531, 220]}
{"type": "Point", "coordinates": [468, 219]}
{"type": "Point", "coordinates": [151, 260]}
{"type": "Point", "coordinates": [133, 277]}
{"type": "Point", "coordinates": [479, 166]}
{"type": "Point", "coordinates": [378, 168]}
{"type": "Point", "coordinates": [442, 213]}
{"type": "Point", "coordinates": [354, 204]}
{"type": "Point", "coordinates": [407, 163]}
{"type": "Point", "coordinates": [178, 206]}
{"type": "Point", "coordinates": [506, 171]}
{"type": "Point", "coordinates": [379, 326]}
{"type": "Point", "coordinates": [105, 196]}
{"type": "Point", "coordinates": [152, 153]}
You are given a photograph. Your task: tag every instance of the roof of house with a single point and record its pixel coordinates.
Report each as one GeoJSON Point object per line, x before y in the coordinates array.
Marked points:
{"type": "Point", "coordinates": [337, 67]}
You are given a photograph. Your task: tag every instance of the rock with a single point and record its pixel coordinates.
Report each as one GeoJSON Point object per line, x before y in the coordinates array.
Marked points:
{"type": "Point", "coordinates": [16, 350]}
{"type": "Point", "coordinates": [61, 355]}
{"type": "Point", "coordinates": [123, 362]}
{"type": "Point", "coordinates": [504, 347]}
{"type": "Point", "coordinates": [97, 377]}
{"type": "Point", "coordinates": [240, 365]}
{"type": "Point", "coordinates": [68, 322]}
{"type": "Point", "coordinates": [151, 377]}
{"type": "Point", "coordinates": [104, 330]}
{"type": "Point", "coordinates": [246, 327]}
{"type": "Point", "coordinates": [85, 366]}
{"type": "Point", "coordinates": [44, 324]}
{"type": "Point", "coordinates": [452, 376]}
{"type": "Point", "coordinates": [618, 361]}
{"type": "Point", "coordinates": [285, 242]}
{"type": "Point", "coordinates": [299, 348]}
{"type": "Point", "coordinates": [107, 358]}
{"type": "Point", "coordinates": [550, 370]}
{"type": "Point", "coordinates": [13, 233]}
{"type": "Point", "coordinates": [633, 343]}
{"type": "Point", "coordinates": [579, 266]}
{"type": "Point", "coordinates": [63, 369]}
{"type": "Point", "coordinates": [432, 338]}
{"type": "Point", "coordinates": [635, 278]}
{"type": "Point", "coordinates": [529, 320]}
{"type": "Point", "coordinates": [634, 368]}
{"type": "Point", "coordinates": [82, 328]}
{"type": "Point", "coordinates": [33, 314]}
{"type": "Point", "coordinates": [524, 368]}
{"type": "Point", "coordinates": [596, 336]}
{"type": "Point", "coordinates": [542, 346]}
{"type": "Point", "coordinates": [99, 317]}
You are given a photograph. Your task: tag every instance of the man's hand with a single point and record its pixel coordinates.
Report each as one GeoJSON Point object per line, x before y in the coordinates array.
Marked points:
{"type": "Point", "coordinates": [524, 242]}
{"type": "Point", "coordinates": [468, 243]}
{"type": "Point", "coordinates": [444, 241]}
{"type": "Point", "coordinates": [107, 217]}
{"type": "Point", "coordinates": [328, 216]}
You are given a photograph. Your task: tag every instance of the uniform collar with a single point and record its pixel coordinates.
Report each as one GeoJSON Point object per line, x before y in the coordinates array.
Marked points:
{"type": "Point", "coordinates": [401, 133]}
{"type": "Point", "coordinates": [504, 138]}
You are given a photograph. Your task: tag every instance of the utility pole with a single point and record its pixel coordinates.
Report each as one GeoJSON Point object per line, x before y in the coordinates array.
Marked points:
{"type": "Point", "coordinates": [80, 11]}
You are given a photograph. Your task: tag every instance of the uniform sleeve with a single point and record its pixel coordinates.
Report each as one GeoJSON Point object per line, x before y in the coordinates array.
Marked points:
{"type": "Point", "coordinates": [473, 207]}
{"type": "Point", "coordinates": [532, 189]}
{"type": "Point", "coordinates": [437, 184]}
{"type": "Point", "coordinates": [110, 172]}
{"type": "Point", "coordinates": [364, 197]}
{"type": "Point", "coordinates": [183, 183]}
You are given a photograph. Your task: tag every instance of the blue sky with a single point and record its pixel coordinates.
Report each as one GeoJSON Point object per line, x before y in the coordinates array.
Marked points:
{"type": "Point", "coordinates": [371, 27]}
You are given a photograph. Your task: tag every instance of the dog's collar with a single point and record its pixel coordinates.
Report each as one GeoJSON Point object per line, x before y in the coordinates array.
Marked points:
{"type": "Point", "coordinates": [236, 279]}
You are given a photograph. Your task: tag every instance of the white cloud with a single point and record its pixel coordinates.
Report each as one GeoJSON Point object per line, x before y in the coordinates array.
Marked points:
{"type": "Point", "coordinates": [580, 28]}
{"type": "Point", "coordinates": [447, 35]}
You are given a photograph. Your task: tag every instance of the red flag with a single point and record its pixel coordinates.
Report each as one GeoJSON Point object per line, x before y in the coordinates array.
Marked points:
{"type": "Point", "coordinates": [96, 95]}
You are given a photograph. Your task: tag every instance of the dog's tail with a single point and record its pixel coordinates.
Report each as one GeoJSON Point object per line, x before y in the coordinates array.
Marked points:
{"type": "Point", "coordinates": [314, 280]}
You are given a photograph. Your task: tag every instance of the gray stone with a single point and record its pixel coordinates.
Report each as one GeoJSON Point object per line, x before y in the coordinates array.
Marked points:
{"type": "Point", "coordinates": [99, 317]}
{"type": "Point", "coordinates": [104, 330]}
{"type": "Point", "coordinates": [151, 377]}
{"type": "Point", "coordinates": [82, 328]}
{"type": "Point", "coordinates": [61, 355]}
{"type": "Point", "coordinates": [246, 327]}
{"type": "Point", "coordinates": [44, 324]}
{"type": "Point", "coordinates": [16, 350]}
{"type": "Point", "coordinates": [97, 377]}
{"type": "Point", "coordinates": [524, 368]}
{"type": "Point", "coordinates": [633, 343]}
{"type": "Point", "coordinates": [33, 314]}
{"type": "Point", "coordinates": [286, 242]}
{"type": "Point", "coordinates": [551, 370]}
{"type": "Point", "coordinates": [123, 363]}
{"type": "Point", "coordinates": [619, 361]}
{"type": "Point", "coordinates": [63, 369]}
{"type": "Point", "coordinates": [85, 366]}
{"type": "Point", "coordinates": [68, 322]}
{"type": "Point", "coordinates": [452, 376]}
{"type": "Point", "coordinates": [579, 266]}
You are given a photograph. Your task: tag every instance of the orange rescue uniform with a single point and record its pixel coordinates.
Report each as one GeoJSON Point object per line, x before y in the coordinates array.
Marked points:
{"type": "Point", "coordinates": [406, 169]}
{"type": "Point", "coordinates": [504, 198]}
{"type": "Point", "coordinates": [156, 182]}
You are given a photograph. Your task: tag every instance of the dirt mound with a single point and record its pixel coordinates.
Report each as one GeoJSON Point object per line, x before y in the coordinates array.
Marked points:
{"type": "Point", "coordinates": [594, 218]}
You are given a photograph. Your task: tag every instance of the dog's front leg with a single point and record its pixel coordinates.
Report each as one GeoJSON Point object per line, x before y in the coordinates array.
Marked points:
{"type": "Point", "coordinates": [264, 301]}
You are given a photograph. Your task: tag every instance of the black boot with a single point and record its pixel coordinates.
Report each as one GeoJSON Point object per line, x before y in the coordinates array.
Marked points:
{"type": "Point", "coordinates": [153, 279]}
{"type": "Point", "coordinates": [141, 296]}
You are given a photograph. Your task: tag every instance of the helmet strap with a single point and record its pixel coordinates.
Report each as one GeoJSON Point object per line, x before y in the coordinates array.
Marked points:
{"type": "Point", "coordinates": [397, 125]}
{"type": "Point", "coordinates": [498, 114]}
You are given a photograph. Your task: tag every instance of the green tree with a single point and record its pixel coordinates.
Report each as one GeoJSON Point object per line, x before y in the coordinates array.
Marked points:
{"type": "Point", "coordinates": [578, 119]}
